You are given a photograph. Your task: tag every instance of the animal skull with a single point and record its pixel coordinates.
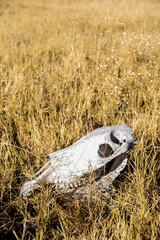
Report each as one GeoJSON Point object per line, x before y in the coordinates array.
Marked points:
{"type": "Point", "coordinates": [100, 156]}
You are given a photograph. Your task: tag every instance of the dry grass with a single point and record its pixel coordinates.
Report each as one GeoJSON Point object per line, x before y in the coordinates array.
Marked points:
{"type": "Point", "coordinates": [67, 67]}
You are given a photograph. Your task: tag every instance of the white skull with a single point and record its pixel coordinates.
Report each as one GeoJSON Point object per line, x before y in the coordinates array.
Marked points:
{"type": "Point", "coordinates": [102, 154]}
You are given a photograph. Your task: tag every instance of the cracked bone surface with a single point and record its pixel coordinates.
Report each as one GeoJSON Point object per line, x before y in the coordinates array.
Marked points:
{"type": "Point", "coordinates": [94, 161]}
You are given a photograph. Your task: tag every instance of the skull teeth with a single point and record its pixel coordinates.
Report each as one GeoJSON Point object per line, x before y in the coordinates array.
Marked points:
{"type": "Point", "coordinates": [78, 183]}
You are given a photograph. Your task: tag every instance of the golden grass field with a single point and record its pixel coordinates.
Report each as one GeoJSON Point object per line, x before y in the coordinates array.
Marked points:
{"type": "Point", "coordinates": [66, 68]}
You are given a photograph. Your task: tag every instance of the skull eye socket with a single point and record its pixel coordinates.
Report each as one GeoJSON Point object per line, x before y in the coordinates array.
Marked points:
{"type": "Point", "coordinates": [114, 139]}
{"type": "Point", "coordinates": [105, 150]}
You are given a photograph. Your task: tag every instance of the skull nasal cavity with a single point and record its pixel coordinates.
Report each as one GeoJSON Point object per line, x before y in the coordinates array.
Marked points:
{"type": "Point", "coordinates": [105, 150]}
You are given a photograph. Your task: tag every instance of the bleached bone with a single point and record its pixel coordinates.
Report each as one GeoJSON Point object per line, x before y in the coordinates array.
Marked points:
{"type": "Point", "coordinates": [93, 161]}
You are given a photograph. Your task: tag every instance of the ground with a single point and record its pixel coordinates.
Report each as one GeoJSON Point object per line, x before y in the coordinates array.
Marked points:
{"type": "Point", "coordinates": [68, 67]}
